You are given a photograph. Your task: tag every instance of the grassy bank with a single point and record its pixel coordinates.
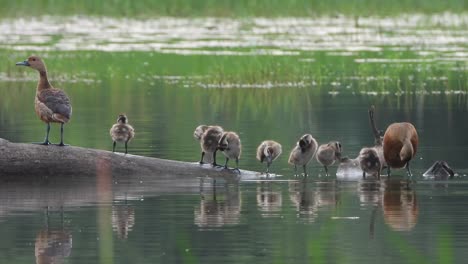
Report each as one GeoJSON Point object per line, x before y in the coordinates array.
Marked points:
{"type": "Point", "coordinates": [319, 70]}
{"type": "Point", "coordinates": [223, 8]}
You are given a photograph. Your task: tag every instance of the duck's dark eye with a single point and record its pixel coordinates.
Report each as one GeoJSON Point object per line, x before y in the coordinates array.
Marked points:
{"type": "Point", "coordinates": [33, 59]}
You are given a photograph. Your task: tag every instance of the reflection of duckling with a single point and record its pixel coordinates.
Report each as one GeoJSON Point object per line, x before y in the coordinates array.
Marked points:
{"type": "Point", "coordinates": [209, 142]}
{"type": "Point", "coordinates": [121, 132]}
{"type": "Point", "coordinates": [269, 201]}
{"type": "Point", "coordinates": [309, 201]}
{"type": "Point", "coordinates": [123, 220]}
{"type": "Point", "coordinates": [268, 150]}
{"type": "Point", "coordinates": [400, 144]}
{"type": "Point", "coordinates": [400, 206]}
{"type": "Point", "coordinates": [439, 170]}
{"type": "Point", "coordinates": [328, 153]}
{"type": "Point", "coordinates": [303, 152]}
{"type": "Point", "coordinates": [231, 147]}
{"type": "Point", "coordinates": [51, 105]}
{"type": "Point", "coordinates": [216, 212]}
{"type": "Point", "coordinates": [370, 161]}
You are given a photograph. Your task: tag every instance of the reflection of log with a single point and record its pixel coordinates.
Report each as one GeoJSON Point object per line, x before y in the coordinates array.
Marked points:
{"type": "Point", "coordinates": [19, 159]}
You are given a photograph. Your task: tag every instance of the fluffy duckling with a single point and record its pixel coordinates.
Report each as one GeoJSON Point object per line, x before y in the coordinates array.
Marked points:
{"type": "Point", "coordinates": [400, 144]}
{"type": "Point", "coordinates": [231, 147]}
{"type": "Point", "coordinates": [121, 132]}
{"type": "Point", "coordinates": [209, 141]}
{"type": "Point", "coordinates": [268, 150]}
{"type": "Point", "coordinates": [51, 105]}
{"type": "Point", "coordinates": [199, 130]}
{"type": "Point", "coordinates": [370, 161]}
{"type": "Point", "coordinates": [328, 153]}
{"type": "Point", "coordinates": [303, 152]}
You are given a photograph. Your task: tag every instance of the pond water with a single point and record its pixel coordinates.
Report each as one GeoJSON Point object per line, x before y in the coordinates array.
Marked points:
{"type": "Point", "coordinates": [170, 75]}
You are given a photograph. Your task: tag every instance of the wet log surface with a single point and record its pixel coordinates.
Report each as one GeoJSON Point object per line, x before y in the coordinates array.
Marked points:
{"type": "Point", "coordinates": [27, 160]}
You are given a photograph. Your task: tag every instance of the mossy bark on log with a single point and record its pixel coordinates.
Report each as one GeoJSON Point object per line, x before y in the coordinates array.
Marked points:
{"type": "Point", "coordinates": [30, 160]}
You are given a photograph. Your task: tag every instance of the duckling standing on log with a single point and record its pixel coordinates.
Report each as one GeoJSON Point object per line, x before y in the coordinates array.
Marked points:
{"type": "Point", "coordinates": [303, 152]}
{"type": "Point", "coordinates": [121, 132]}
{"type": "Point", "coordinates": [51, 105]}
{"type": "Point", "coordinates": [400, 144]}
{"type": "Point", "coordinates": [209, 140]}
{"type": "Point", "coordinates": [328, 153]}
{"type": "Point", "coordinates": [231, 147]}
{"type": "Point", "coordinates": [268, 150]}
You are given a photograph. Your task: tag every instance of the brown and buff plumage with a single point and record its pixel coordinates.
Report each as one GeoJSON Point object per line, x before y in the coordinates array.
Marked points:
{"type": "Point", "coordinates": [51, 105]}
{"type": "Point", "coordinates": [328, 153]}
{"type": "Point", "coordinates": [303, 152]}
{"type": "Point", "coordinates": [268, 151]}
{"type": "Point", "coordinates": [122, 132]}
{"type": "Point", "coordinates": [209, 140]}
{"type": "Point", "coordinates": [231, 147]}
{"type": "Point", "coordinates": [400, 144]}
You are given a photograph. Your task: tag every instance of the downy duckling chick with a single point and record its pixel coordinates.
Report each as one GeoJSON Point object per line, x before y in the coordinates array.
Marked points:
{"type": "Point", "coordinates": [199, 130]}
{"type": "Point", "coordinates": [268, 150]}
{"type": "Point", "coordinates": [51, 105]}
{"type": "Point", "coordinates": [370, 161]}
{"type": "Point", "coordinates": [209, 142]}
{"type": "Point", "coordinates": [231, 147]}
{"type": "Point", "coordinates": [328, 153]}
{"type": "Point", "coordinates": [303, 152]}
{"type": "Point", "coordinates": [400, 144]}
{"type": "Point", "coordinates": [121, 132]}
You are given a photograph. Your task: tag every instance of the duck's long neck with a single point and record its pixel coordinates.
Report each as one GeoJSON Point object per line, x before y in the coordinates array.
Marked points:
{"type": "Point", "coordinates": [43, 81]}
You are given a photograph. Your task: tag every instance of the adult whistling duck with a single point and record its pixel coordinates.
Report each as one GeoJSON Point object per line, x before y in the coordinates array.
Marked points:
{"type": "Point", "coordinates": [328, 153]}
{"type": "Point", "coordinates": [121, 132]}
{"type": "Point", "coordinates": [303, 152]}
{"type": "Point", "coordinates": [400, 144]}
{"type": "Point", "coordinates": [51, 105]}
{"type": "Point", "coordinates": [268, 151]}
{"type": "Point", "coordinates": [231, 147]}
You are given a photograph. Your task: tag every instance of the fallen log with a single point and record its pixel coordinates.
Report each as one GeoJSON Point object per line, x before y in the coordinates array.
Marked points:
{"type": "Point", "coordinates": [20, 159]}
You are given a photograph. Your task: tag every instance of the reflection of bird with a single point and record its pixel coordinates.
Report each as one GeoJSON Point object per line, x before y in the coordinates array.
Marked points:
{"type": "Point", "coordinates": [400, 144]}
{"type": "Point", "coordinates": [219, 210]}
{"type": "Point", "coordinates": [440, 170]}
{"type": "Point", "coordinates": [231, 147]}
{"type": "Point", "coordinates": [269, 201]}
{"type": "Point", "coordinates": [309, 201]}
{"type": "Point", "coordinates": [52, 245]}
{"type": "Point", "coordinates": [121, 132]}
{"type": "Point", "coordinates": [123, 220]}
{"type": "Point", "coordinates": [303, 152]}
{"type": "Point", "coordinates": [400, 206]}
{"type": "Point", "coordinates": [52, 105]}
{"type": "Point", "coordinates": [370, 192]}
{"type": "Point", "coordinates": [209, 140]}
{"type": "Point", "coordinates": [268, 151]}
{"type": "Point", "coordinates": [328, 153]}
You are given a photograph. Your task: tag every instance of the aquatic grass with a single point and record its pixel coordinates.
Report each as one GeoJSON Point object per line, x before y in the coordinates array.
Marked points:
{"type": "Point", "coordinates": [224, 8]}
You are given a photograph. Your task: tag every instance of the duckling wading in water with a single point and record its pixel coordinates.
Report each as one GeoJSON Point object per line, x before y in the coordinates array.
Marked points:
{"type": "Point", "coordinates": [328, 153]}
{"type": "Point", "coordinates": [268, 151]}
{"type": "Point", "coordinates": [303, 152]}
{"type": "Point", "coordinates": [121, 132]}
{"type": "Point", "coordinates": [51, 105]}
